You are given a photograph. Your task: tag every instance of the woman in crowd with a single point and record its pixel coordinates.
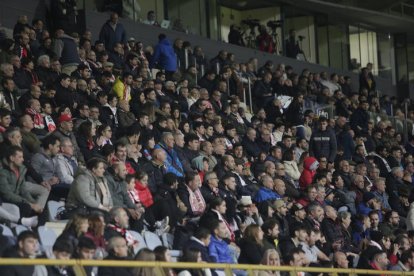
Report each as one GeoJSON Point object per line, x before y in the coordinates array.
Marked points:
{"type": "Point", "coordinates": [86, 140]}
{"type": "Point", "coordinates": [144, 255]}
{"type": "Point", "coordinates": [75, 228]}
{"type": "Point", "coordinates": [251, 246]}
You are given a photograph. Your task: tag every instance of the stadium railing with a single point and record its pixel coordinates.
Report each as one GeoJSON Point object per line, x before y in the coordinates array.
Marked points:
{"type": "Point", "coordinates": [79, 265]}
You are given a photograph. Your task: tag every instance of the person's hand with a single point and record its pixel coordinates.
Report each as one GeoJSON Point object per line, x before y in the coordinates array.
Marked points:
{"type": "Point", "coordinates": [53, 181]}
{"type": "Point", "coordinates": [46, 185]}
{"type": "Point", "coordinates": [395, 248]}
{"type": "Point", "coordinates": [134, 214]}
{"type": "Point", "coordinates": [36, 208]}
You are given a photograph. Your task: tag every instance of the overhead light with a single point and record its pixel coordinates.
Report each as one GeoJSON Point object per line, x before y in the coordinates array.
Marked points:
{"type": "Point", "coordinates": [242, 4]}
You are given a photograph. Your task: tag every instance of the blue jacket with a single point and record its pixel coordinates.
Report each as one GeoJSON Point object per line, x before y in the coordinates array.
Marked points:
{"type": "Point", "coordinates": [164, 56]}
{"type": "Point", "coordinates": [220, 251]}
{"type": "Point", "coordinates": [172, 162]}
{"type": "Point", "coordinates": [265, 194]}
{"type": "Point", "coordinates": [109, 36]}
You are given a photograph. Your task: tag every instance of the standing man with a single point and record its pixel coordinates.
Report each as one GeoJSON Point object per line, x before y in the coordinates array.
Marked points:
{"type": "Point", "coordinates": [112, 32]}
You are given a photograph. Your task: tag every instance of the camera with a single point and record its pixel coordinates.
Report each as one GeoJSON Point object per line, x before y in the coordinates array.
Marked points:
{"type": "Point", "coordinates": [273, 24]}
{"type": "Point", "coordinates": [251, 22]}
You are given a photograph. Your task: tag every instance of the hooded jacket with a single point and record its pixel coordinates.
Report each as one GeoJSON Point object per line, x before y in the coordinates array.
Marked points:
{"type": "Point", "coordinates": [164, 56]}
{"type": "Point", "coordinates": [310, 164]}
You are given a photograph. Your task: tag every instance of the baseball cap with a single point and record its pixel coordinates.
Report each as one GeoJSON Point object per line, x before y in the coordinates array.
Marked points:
{"type": "Point", "coordinates": [65, 118]}
{"type": "Point", "coordinates": [297, 207]}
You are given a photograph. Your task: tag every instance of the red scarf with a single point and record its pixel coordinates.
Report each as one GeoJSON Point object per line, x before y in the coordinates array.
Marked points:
{"type": "Point", "coordinates": [37, 118]}
{"type": "Point", "coordinates": [125, 234]}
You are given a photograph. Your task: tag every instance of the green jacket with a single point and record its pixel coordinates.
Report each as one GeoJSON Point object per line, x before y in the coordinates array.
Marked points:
{"type": "Point", "coordinates": [11, 186]}
{"type": "Point", "coordinates": [119, 192]}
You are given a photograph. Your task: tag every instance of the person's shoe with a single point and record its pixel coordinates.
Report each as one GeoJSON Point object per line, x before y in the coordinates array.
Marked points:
{"type": "Point", "coordinates": [30, 222]}
{"type": "Point", "coordinates": [162, 226]}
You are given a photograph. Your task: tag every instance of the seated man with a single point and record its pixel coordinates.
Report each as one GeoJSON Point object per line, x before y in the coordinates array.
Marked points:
{"type": "Point", "coordinates": [44, 164]}
{"type": "Point", "coordinates": [14, 189]}
{"type": "Point", "coordinates": [27, 245]}
{"type": "Point", "coordinates": [62, 250]}
{"type": "Point", "coordinates": [66, 163]}
{"type": "Point", "coordinates": [118, 228]}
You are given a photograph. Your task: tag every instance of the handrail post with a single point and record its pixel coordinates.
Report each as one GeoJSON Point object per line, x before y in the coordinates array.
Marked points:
{"type": "Point", "coordinates": [186, 58]}
{"type": "Point", "coordinates": [250, 96]}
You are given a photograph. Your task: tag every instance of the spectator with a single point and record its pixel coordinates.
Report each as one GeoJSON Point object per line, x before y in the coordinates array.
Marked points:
{"type": "Point", "coordinates": [251, 247]}
{"type": "Point", "coordinates": [164, 57]}
{"type": "Point", "coordinates": [31, 198]}
{"type": "Point", "coordinates": [26, 247]}
{"type": "Point", "coordinates": [88, 185]}
{"type": "Point", "coordinates": [118, 250]}
{"type": "Point", "coordinates": [323, 142]}
{"type": "Point", "coordinates": [112, 32]}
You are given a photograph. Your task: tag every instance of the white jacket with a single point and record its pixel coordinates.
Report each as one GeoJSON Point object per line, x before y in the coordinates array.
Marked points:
{"type": "Point", "coordinates": [292, 170]}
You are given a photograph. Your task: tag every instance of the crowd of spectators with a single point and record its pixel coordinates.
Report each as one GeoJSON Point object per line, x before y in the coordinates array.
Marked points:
{"type": "Point", "coordinates": [128, 147]}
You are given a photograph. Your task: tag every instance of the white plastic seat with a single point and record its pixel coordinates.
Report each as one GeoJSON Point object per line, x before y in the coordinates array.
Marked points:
{"type": "Point", "coordinates": [53, 207]}
{"type": "Point", "coordinates": [152, 240]}
{"type": "Point", "coordinates": [20, 228]}
{"type": "Point", "coordinates": [47, 238]}
{"type": "Point", "coordinates": [168, 241]}
{"type": "Point", "coordinates": [140, 239]}
{"type": "Point", "coordinates": [7, 231]}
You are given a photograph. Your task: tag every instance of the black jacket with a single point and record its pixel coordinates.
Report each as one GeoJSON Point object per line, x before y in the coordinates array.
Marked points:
{"type": "Point", "coordinates": [118, 271]}
{"type": "Point", "coordinates": [323, 144]}
{"type": "Point", "coordinates": [250, 252]}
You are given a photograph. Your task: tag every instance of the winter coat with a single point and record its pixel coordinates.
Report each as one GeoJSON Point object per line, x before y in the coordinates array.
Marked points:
{"type": "Point", "coordinates": [164, 56]}
{"type": "Point", "coordinates": [11, 187]}
{"type": "Point", "coordinates": [310, 164]}
{"type": "Point", "coordinates": [84, 191]}
{"type": "Point", "coordinates": [265, 194]}
{"type": "Point", "coordinates": [172, 162]}
{"type": "Point", "coordinates": [292, 170]}
{"type": "Point", "coordinates": [250, 252]}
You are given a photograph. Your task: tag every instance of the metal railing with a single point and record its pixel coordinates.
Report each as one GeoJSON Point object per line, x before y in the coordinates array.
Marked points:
{"type": "Point", "coordinates": [78, 266]}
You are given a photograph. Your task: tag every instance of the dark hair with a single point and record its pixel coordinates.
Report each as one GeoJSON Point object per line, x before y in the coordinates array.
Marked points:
{"type": "Point", "coordinates": [94, 162]}
{"type": "Point", "coordinates": [191, 137]}
{"type": "Point", "coordinates": [12, 150]}
{"type": "Point", "coordinates": [4, 112]}
{"type": "Point", "coordinates": [101, 129]}
{"type": "Point", "coordinates": [217, 201]}
{"type": "Point", "coordinates": [85, 242]}
{"type": "Point", "coordinates": [129, 177]}
{"type": "Point", "coordinates": [85, 129]}
{"type": "Point", "coordinates": [49, 140]}
{"type": "Point", "coordinates": [201, 233]}
{"type": "Point", "coordinates": [159, 252]}
{"type": "Point", "coordinates": [189, 176]}
{"type": "Point", "coordinates": [288, 155]}
{"type": "Point", "coordinates": [62, 245]}
{"type": "Point", "coordinates": [169, 179]}
{"type": "Point", "coordinates": [269, 225]}
{"type": "Point", "coordinates": [27, 235]}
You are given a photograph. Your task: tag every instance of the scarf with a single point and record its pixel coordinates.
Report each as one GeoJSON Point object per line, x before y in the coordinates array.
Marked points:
{"type": "Point", "coordinates": [198, 205]}
{"type": "Point", "coordinates": [127, 92]}
{"type": "Point", "coordinates": [134, 196]}
{"type": "Point", "coordinates": [37, 118]}
{"type": "Point", "coordinates": [50, 124]}
{"type": "Point", "coordinates": [124, 233]}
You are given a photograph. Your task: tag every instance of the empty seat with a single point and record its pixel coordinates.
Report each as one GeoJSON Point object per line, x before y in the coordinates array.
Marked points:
{"type": "Point", "coordinates": [152, 240]}
{"type": "Point", "coordinates": [20, 228]}
{"type": "Point", "coordinates": [168, 241]}
{"type": "Point", "coordinates": [7, 231]}
{"type": "Point", "coordinates": [53, 208]}
{"type": "Point", "coordinates": [140, 239]}
{"type": "Point", "coordinates": [47, 238]}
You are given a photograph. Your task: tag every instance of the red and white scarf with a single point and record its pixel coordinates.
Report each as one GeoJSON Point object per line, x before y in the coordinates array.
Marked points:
{"type": "Point", "coordinates": [37, 118]}
{"type": "Point", "coordinates": [198, 205]}
{"type": "Point", "coordinates": [131, 241]}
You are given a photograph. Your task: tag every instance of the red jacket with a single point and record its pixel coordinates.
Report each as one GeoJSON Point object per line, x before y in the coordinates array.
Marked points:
{"type": "Point", "coordinates": [307, 175]}
{"type": "Point", "coordinates": [144, 194]}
